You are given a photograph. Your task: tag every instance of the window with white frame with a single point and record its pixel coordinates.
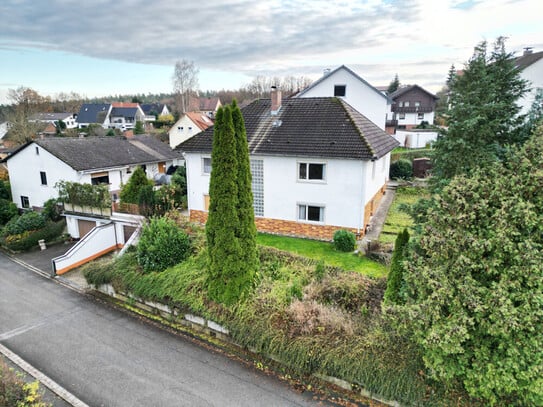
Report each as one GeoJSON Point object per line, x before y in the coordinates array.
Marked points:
{"type": "Point", "coordinates": [206, 165]}
{"type": "Point", "coordinates": [311, 171]}
{"type": "Point", "coordinates": [402, 116]}
{"type": "Point", "coordinates": [310, 213]}
{"type": "Point", "coordinates": [25, 203]}
{"type": "Point", "coordinates": [406, 103]}
{"type": "Point", "coordinates": [417, 104]}
{"type": "Point", "coordinates": [43, 177]}
{"type": "Point", "coordinates": [257, 184]}
{"type": "Point", "coordinates": [420, 116]}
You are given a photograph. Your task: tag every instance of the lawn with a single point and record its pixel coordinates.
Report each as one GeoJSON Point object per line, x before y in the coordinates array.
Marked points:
{"type": "Point", "coordinates": [324, 251]}
{"type": "Point", "coordinates": [396, 219]}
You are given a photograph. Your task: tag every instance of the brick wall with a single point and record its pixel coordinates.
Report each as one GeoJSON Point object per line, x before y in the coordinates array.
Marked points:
{"type": "Point", "coordinates": [284, 227]}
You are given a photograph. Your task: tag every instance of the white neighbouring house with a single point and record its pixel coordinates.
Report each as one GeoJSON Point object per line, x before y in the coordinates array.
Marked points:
{"type": "Point", "coordinates": [317, 165]}
{"type": "Point", "coordinates": [531, 69]}
{"type": "Point", "coordinates": [343, 83]}
{"type": "Point", "coordinates": [190, 124]}
{"type": "Point", "coordinates": [69, 119]}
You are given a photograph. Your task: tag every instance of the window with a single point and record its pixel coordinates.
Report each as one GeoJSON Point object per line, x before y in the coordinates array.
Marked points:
{"type": "Point", "coordinates": [37, 151]}
{"type": "Point", "coordinates": [417, 104]}
{"type": "Point", "coordinates": [257, 184]}
{"type": "Point", "coordinates": [311, 171]}
{"type": "Point", "coordinates": [402, 116]}
{"type": "Point", "coordinates": [400, 104]}
{"type": "Point", "coordinates": [312, 213]}
{"type": "Point", "coordinates": [24, 202]}
{"type": "Point", "coordinates": [100, 178]}
{"type": "Point", "coordinates": [340, 90]}
{"type": "Point", "coordinates": [406, 103]}
{"type": "Point", "coordinates": [420, 116]}
{"type": "Point", "coordinates": [43, 177]}
{"type": "Point", "coordinates": [206, 165]}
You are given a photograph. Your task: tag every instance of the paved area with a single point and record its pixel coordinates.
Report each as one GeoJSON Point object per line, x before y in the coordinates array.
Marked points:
{"type": "Point", "coordinates": [379, 217]}
{"type": "Point", "coordinates": [41, 259]}
{"type": "Point", "coordinates": [105, 357]}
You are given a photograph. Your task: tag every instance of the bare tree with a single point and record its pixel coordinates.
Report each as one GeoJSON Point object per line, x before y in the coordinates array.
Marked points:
{"type": "Point", "coordinates": [25, 102]}
{"type": "Point", "coordinates": [185, 83]}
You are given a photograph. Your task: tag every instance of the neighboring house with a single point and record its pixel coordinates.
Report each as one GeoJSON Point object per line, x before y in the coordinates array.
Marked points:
{"type": "Point", "coordinates": [36, 167]}
{"type": "Point", "coordinates": [347, 85]}
{"type": "Point", "coordinates": [531, 67]}
{"type": "Point", "coordinates": [153, 110]}
{"type": "Point", "coordinates": [207, 105]}
{"type": "Point", "coordinates": [411, 105]}
{"type": "Point", "coordinates": [94, 113]}
{"type": "Point", "coordinates": [4, 128]}
{"type": "Point", "coordinates": [318, 165]}
{"type": "Point", "coordinates": [188, 125]}
{"type": "Point", "coordinates": [124, 115]}
{"type": "Point", "coordinates": [70, 119]}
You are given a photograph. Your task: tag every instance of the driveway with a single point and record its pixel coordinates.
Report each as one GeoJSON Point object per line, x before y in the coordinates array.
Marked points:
{"type": "Point", "coordinates": [108, 358]}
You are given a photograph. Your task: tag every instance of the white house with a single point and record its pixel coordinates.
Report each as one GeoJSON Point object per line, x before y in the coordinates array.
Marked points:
{"type": "Point", "coordinates": [343, 83]}
{"type": "Point", "coordinates": [36, 167]}
{"type": "Point", "coordinates": [531, 66]}
{"type": "Point", "coordinates": [318, 165]}
{"type": "Point", "coordinates": [124, 115]}
{"type": "Point", "coordinates": [152, 110]}
{"type": "Point", "coordinates": [190, 124]}
{"type": "Point", "coordinates": [94, 113]}
{"type": "Point", "coordinates": [69, 119]}
{"type": "Point", "coordinates": [4, 128]}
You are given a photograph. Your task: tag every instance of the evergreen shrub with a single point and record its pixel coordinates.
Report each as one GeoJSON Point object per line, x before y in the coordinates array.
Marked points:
{"type": "Point", "coordinates": [29, 239]}
{"type": "Point", "coordinates": [401, 169]}
{"type": "Point", "coordinates": [162, 244]}
{"type": "Point", "coordinates": [26, 222]}
{"type": "Point", "coordinates": [344, 240]}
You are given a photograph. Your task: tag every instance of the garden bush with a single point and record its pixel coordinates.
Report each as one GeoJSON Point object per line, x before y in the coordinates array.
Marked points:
{"type": "Point", "coordinates": [344, 240]}
{"type": "Point", "coordinates": [162, 244]}
{"type": "Point", "coordinates": [28, 239]}
{"type": "Point", "coordinates": [401, 169]}
{"type": "Point", "coordinates": [51, 210]}
{"type": "Point", "coordinates": [8, 210]}
{"type": "Point", "coordinates": [14, 392]}
{"type": "Point", "coordinates": [26, 222]}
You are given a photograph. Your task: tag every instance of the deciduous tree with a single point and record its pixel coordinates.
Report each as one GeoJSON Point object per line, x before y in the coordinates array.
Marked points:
{"type": "Point", "coordinates": [185, 83]}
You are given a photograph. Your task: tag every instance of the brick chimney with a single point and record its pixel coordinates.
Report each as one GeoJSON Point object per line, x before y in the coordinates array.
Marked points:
{"type": "Point", "coordinates": [275, 100]}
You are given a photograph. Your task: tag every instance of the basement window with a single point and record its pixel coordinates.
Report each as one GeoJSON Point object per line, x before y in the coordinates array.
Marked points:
{"type": "Point", "coordinates": [311, 213]}
{"type": "Point", "coordinates": [25, 203]}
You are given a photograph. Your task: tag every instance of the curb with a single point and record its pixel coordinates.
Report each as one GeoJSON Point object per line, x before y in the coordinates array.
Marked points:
{"type": "Point", "coordinates": [42, 378]}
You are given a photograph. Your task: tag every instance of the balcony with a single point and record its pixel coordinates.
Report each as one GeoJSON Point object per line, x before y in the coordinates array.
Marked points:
{"type": "Point", "coordinates": [412, 109]}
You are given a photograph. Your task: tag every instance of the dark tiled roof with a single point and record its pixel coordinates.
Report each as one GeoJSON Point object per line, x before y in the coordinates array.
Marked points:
{"type": "Point", "coordinates": [334, 71]}
{"type": "Point", "coordinates": [105, 152]}
{"type": "Point", "coordinates": [50, 116]}
{"type": "Point", "coordinates": [124, 111]}
{"type": "Point", "coordinates": [404, 89]}
{"type": "Point", "coordinates": [314, 127]}
{"type": "Point", "coordinates": [93, 112]}
{"type": "Point", "coordinates": [152, 107]}
{"type": "Point", "coordinates": [525, 61]}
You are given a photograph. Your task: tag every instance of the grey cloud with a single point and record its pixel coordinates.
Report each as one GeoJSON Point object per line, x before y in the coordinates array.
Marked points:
{"type": "Point", "coordinates": [229, 34]}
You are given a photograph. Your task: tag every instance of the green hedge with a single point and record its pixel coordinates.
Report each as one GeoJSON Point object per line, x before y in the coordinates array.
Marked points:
{"type": "Point", "coordinates": [411, 154]}
{"type": "Point", "coordinates": [29, 239]}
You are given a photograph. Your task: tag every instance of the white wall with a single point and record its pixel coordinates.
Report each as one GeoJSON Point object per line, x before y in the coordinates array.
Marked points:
{"type": "Point", "coordinates": [412, 119]}
{"type": "Point", "coordinates": [415, 139]}
{"type": "Point", "coordinates": [24, 174]}
{"type": "Point", "coordinates": [368, 101]}
{"type": "Point", "coordinates": [182, 130]}
{"type": "Point", "coordinates": [534, 74]}
{"type": "Point", "coordinates": [348, 186]}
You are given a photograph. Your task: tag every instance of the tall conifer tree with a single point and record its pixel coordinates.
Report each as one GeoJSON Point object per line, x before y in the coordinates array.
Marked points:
{"type": "Point", "coordinates": [246, 231]}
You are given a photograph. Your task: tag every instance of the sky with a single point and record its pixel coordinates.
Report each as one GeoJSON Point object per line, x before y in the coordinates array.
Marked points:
{"type": "Point", "coordinates": [106, 47]}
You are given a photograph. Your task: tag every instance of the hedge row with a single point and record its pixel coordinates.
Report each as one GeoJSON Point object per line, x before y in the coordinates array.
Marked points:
{"type": "Point", "coordinates": [29, 239]}
{"type": "Point", "coordinates": [411, 154]}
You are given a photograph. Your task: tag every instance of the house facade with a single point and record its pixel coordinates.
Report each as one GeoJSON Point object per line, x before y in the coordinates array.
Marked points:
{"type": "Point", "coordinates": [411, 106]}
{"type": "Point", "coordinates": [317, 166]}
{"type": "Point", "coordinates": [190, 124]}
{"type": "Point", "coordinates": [345, 84]}
{"type": "Point", "coordinates": [94, 113]}
{"type": "Point", "coordinates": [531, 69]}
{"type": "Point", "coordinates": [36, 167]}
{"type": "Point", "coordinates": [69, 119]}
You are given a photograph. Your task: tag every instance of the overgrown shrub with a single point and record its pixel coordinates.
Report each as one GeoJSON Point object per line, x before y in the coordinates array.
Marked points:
{"type": "Point", "coordinates": [28, 239]}
{"type": "Point", "coordinates": [401, 169]}
{"type": "Point", "coordinates": [8, 210]}
{"type": "Point", "coordinates": [162, 244]}
{"type": "Point", "coordinates": [130, 192]}
{"type": "Point", "coordinates": [52, 210]}
{"type": "Point", "coordinates": [15, 392]}
{"type": "Point", "coordinates": [344, 240]}
{"type": "Point", "coordinates": [26, 222]}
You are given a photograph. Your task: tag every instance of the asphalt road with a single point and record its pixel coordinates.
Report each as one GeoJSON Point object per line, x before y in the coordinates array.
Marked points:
{"type": "Point", "coordinates": [108, 358]}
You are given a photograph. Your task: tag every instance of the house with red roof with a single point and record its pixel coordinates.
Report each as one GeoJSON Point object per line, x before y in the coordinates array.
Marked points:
{"type": "Point", "coordinates": [190, 124]}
